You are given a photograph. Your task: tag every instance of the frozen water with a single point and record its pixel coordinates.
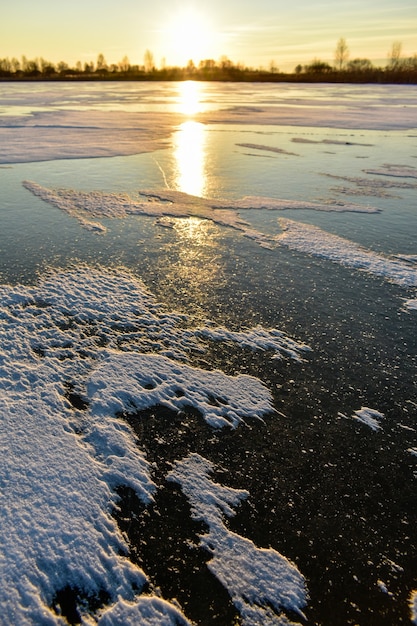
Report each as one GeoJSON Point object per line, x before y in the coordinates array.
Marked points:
{"type": "Point", "coordinates": [78, 350]}
{"type": "Point", "coordinates": [313, 240]}
{"type": "Point", "coordinates": [261, 582]}
{"type": "Point", "coordinates": [87, 349]}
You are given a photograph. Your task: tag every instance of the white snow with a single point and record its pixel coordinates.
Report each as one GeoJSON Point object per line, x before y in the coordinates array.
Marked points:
{"type": "Point", "coordinates": [100, 335]}
{"type": "Point", "coordinates": [313, 240]}
{"type": "Point", "coordinates": [147, 611]}
{"type": "Point", "coordinates": [369, 417]}
{"type": "Point", "coordinates": [139, 381]}
{"type": "Point", "coordinates": [411, 304]}
{"type": "Point", "coordinates": [261, 582]}
{"type": "Point", "coordinates": [412, 451]}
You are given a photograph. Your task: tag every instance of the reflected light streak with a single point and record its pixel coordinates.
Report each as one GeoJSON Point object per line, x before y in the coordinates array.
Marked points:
{"type": "Point", "coordinates": [189, 97]}
{"type": "Point", "coordinates": [195, 261]}
{"type": "Point", "coordinates": [190, 157]}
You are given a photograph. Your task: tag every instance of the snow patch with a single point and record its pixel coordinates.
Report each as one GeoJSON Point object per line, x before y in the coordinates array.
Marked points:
{"type": "Point", "coordinates": [77, 349]}
{"type": "Point", "coordinates": [261, 582]}
{"type": "Point", "coordinates": [313, 240]}
{"type": "Point", "coordinates": [369, 417]}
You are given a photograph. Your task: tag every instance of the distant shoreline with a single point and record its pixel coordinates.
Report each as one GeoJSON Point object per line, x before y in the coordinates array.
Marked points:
{"type": "Point", "coordinates": [375, 76]}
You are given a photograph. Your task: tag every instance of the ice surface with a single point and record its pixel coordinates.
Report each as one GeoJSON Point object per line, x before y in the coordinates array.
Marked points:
{"type": "Point", "coordinates": [53, 122]}
{"type": "Point", "coordinates": [369, 417]}
{"type": "Point", "coordinates": [168, 203]}
{"type": "Point", "coordinates": [261, 582]}
{"type": "Point", "coordinates": [77, 349]}
{"type": "Point", "coordinates": [52, 135]}
{"type": "Point", "coordinates": [258, 146]}
{"type": "Point", "coordinates": [400, 171]}
{"type": "Point", "coordinates": [313, 240]}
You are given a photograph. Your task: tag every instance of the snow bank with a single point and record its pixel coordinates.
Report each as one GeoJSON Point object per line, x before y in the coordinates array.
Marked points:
{"type": "Point", "coordinates": [261, 582]}
{"type": "Point", "coordinates": [313, 240]}
{"type": "Point", "coordinates": [77, 349]}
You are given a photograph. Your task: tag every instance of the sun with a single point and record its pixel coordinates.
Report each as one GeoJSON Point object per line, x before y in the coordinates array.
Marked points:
{"type": "Point", "coordinates": [189, 36]}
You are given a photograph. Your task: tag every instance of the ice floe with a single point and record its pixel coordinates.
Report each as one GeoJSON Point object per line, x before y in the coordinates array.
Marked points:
{"type": "Point", "coordinates": [369, 417]}
{"type": "Point", "coordinates": [79, 349]}
{"type": "Point", "coordinates": [313, 240]}
{"type": "Point", "coordinates": [261, 582]}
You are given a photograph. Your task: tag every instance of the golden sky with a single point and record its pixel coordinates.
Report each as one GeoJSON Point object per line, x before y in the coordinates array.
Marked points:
{"type": "Point", "coordinates": [252, 33]}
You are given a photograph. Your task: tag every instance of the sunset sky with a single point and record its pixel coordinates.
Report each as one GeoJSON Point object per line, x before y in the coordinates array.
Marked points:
{"type": "Point", "coordinates": [251, 32]}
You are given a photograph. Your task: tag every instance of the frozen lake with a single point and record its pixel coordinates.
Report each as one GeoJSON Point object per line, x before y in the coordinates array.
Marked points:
{"type": "Point", "coordinates": [208, 355]}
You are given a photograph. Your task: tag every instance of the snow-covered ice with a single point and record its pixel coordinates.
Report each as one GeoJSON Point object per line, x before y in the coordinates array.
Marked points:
{"type": "Point", "coordinates": [261, 582]}
{"type": "Point", "coordinates": [313, 240]}
{"type": "Point", "coordinates": [367, 416]}
{"type": "Point", "coordinates": [77, 350]}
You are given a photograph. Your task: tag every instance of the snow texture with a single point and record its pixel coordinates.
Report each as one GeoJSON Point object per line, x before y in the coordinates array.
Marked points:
{"type": "Point", "coordinates": [78, 349]}
{"type": "Point", "coordinates": [164, 204]}
{"type": "Point", "coordinates": [313, 240]}
{"type": "Point", "coordinates": [261, 582]}
{"type": "Point", "coordinates": [411, 304]}
{"type": "Point", "coordinates": [369, 417]}
{"type": "Point", "coordinates": [149, 611]}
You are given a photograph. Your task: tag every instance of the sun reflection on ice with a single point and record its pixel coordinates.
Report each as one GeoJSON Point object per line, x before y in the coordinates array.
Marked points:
{"type": "Point", "coordinates": [189, 97]}
{"type": "Point", "coordinates": [190, 158]}
{"type": "Point", "coordinates": [195, 257]}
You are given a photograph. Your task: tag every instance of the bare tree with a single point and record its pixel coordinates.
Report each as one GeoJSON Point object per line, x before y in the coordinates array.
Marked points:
{"type": "Point", "coordinates": [101, 63]}
{"type": "Point", "coordinates": [149, 61]}
{"type": "Point", "coordinates": [124, 64]}
{"type": "Point", "coordinates": [341, 53]}
{"type": "Point", "coordinates": [394, 55]}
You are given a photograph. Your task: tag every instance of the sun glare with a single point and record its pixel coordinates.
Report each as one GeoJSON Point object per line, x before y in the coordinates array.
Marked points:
{"type": "Point", "coordinates": [189, 36]}
{"type": "Point", "coordinates": [190, 157]}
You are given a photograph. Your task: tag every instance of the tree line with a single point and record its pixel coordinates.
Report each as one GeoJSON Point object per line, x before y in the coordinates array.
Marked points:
{"type": "Point", "coordinates": [398, 69]}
